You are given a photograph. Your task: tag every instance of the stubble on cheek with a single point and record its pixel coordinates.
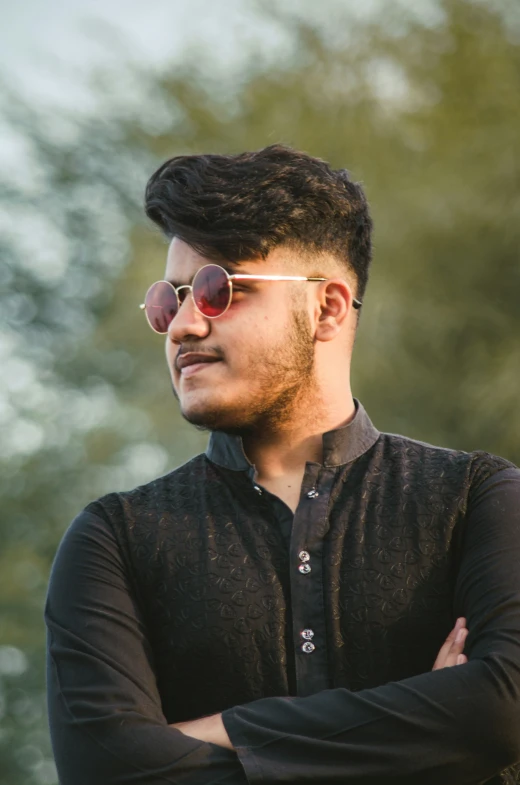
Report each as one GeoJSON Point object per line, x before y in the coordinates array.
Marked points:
{"type": "Point", "coordinates": [286, 376]}
{"type": "Point", "coordinates": [277, 378]}
{"type": "Point", "coordinates": [263, 383]}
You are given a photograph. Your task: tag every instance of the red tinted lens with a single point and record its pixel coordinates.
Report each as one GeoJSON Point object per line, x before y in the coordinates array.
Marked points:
{"type": "Point", "coordinates": [160, 305]}
{"type": "Point", "coordinates": [211, 290]}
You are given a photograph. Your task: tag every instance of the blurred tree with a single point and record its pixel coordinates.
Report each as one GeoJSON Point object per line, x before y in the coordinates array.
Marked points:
{"type": "Point", "coordinates": [423, 110]}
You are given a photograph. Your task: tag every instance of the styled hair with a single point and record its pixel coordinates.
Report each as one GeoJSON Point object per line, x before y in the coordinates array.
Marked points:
{"type": "Point", "coordinates": [241, 207]}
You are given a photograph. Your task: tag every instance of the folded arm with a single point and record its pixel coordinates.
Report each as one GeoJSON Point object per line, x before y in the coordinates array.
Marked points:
{"type": "Point", "coordinates": [453, 725]}
{"type": "Point", "coordinates": [106, 720]}
{"type": "Point", "coordinates": [211, 728]}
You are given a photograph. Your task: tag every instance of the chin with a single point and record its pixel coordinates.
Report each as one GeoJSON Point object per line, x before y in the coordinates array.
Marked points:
{"type": "Point", "coordinates": [203, 414]}
{"type": "Point", "coordinates": [211, 417]}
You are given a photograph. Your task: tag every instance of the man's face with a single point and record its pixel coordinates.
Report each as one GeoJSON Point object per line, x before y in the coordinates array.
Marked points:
{"type": "Point", "coordinates": [263, 347]}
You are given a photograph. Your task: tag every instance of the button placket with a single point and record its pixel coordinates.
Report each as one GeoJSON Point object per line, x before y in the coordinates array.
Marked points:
{"type": "Point", "coordinates": [310, 527]}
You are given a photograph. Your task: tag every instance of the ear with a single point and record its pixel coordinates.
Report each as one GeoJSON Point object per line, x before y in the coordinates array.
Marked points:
{"type": "Point", "coordinates": [334, 309]}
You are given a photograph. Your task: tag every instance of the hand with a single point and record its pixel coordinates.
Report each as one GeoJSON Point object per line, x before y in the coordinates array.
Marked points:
{"type": "Point", "coordinates": [210, 729]}
{"type": "Point", "coordinates": [451, 650]}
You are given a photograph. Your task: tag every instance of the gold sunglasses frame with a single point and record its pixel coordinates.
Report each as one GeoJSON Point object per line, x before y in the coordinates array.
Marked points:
{"type": "Point", "coordinates": [231, 277]}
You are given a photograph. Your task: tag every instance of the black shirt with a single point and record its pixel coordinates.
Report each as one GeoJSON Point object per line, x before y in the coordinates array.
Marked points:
{"type": "Point", "coordinates": [314, 634]}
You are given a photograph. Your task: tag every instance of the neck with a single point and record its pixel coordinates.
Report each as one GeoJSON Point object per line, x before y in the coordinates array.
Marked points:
{"type": "Point", "coordinates": [283, 452]}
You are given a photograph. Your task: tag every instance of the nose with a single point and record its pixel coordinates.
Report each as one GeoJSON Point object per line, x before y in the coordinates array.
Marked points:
{"type": "Point", "coordinates": [188, 322]}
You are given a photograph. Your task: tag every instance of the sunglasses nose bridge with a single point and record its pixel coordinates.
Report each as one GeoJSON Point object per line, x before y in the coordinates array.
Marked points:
{"type": "Point", "coordinates": [186, 295]}
{"type": "Point", "coordinates": [183, 319]}
{"type": "Point", "coordinates": [182, 297]}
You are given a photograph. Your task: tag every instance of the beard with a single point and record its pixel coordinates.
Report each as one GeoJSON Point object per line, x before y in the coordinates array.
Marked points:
{"type": "Point", "coordinates": [284, 385]}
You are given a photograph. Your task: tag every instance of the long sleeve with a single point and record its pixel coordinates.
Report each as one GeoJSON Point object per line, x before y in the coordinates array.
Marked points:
{"type": "Point", "coordinates": [106, 722]}
{"type": "Point", "coordinates": [452, 726]}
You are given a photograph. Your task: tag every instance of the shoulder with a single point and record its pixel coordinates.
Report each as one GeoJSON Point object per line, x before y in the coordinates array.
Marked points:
{"type": "Point", "coordinates": [105, 531]}
{"type": "Point", "coordinates": [158, 493]}
{"type": "Point", "coordinates": [476, 466]}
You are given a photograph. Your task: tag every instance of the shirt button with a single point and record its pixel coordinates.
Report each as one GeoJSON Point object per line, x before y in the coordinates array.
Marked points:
{"type": "Point", "coordinates": [258, 490]}
{"type": "Point", "coordinates": [304, 556]}
{"type": "Point", "coordinates": [308, 647]}
{"type": "Point", "coordinates": [307, 635]}
{"type": "Point", "coordinates": [312, 494]}
{"type": "Point", "coordinates": [304, 568]}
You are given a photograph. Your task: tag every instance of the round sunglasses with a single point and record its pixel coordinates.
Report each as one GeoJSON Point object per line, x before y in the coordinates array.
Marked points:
{"type": "Point", "coordinates": [211, 290]}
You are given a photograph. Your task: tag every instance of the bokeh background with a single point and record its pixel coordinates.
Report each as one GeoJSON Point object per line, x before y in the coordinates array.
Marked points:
{"type": "Point", "coordinates": [419, 100]}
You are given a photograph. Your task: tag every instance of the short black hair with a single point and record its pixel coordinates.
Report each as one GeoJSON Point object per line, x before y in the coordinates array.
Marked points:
{"type": "Point", "coordinates": [241, 207]}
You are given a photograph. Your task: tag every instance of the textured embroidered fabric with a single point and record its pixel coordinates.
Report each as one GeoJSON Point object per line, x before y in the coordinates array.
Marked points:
{"type": "Point", "coordinates": [185, 597]}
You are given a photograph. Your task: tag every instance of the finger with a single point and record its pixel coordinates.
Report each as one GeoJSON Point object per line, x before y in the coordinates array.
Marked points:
{"type": "Point", "coordinates": [457, 627]}
{"type": "Point", "coordinates": [462, 659]}
{"type": "Point", "coordinates": [456, 648]}
{"type": "Point", "coordinates": [452, 646]}
{"type": "Point", "coordinates": [445, 648]}
{"type": "Point", "coordinates": [444, 651]}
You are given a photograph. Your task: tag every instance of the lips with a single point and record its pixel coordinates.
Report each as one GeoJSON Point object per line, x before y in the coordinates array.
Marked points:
{"type": "Point", "coordinates": [193, 358]}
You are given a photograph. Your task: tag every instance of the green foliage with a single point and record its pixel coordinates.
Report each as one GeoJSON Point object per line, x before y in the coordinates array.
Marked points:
{"type": "Point", "coordinates": [425, 114]}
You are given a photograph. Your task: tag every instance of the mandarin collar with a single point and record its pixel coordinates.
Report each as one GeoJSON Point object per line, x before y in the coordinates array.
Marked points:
{"type": "Point", "coordinates": [340, 446]}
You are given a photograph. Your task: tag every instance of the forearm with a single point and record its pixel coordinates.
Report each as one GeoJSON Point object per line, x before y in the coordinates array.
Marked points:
{"type": "Point", "coordinates": [93, 744]}
{"type": "Point", "coordinates": [210, 729]}
{"type": "Point", "coordinates": [149, 757]}
{"type": "Point", "coordinates": [451, 726]}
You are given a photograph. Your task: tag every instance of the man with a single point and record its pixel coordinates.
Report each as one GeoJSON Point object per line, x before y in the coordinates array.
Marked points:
{"type": "Point", "coordinates": [270, 611]}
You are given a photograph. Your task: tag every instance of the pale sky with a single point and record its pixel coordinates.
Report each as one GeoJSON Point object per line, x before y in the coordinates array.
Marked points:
{"type": "Point", "coordinates": [47, 44]}
{"type": "Point", "coordinates": [44, 43]}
